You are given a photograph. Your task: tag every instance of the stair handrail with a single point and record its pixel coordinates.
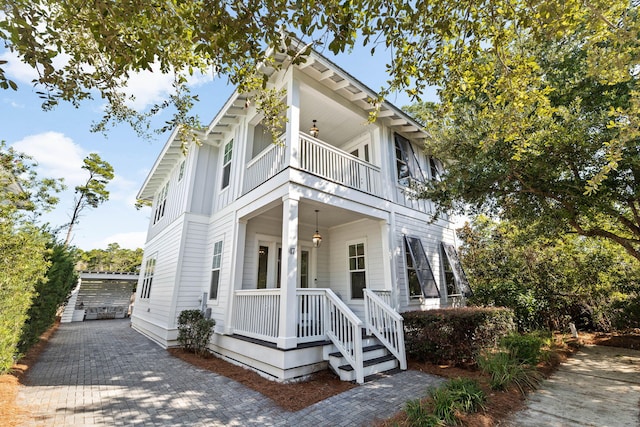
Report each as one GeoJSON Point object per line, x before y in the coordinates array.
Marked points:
{"type": "Point", "coordinates": [386, 324]}
{"type": "Point", "coordinates": [344, 329]}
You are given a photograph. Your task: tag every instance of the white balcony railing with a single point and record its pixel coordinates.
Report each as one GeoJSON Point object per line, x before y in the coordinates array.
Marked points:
{"type": "Point", "coordinates": [318, 158]}
{"type": "Point", "coordinates": [338, 166]}
{"type": "Point", "coordinates": [264, 166]}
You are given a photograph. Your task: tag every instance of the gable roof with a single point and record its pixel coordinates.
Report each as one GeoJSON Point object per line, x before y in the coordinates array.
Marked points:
{"type": "Point", "coordinates": [318, 68]}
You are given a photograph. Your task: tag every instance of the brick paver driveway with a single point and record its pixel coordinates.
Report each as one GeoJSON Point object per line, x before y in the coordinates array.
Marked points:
{"type": "Point", "coordinates": [105, 373]}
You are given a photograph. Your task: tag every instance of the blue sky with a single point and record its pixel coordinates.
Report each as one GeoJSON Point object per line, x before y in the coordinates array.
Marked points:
{"type": "Point", "coordinates": [58, 140]}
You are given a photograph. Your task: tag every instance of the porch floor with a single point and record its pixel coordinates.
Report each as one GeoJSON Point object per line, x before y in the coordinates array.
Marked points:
{"type": "Point", "coordinates": [274, 346]}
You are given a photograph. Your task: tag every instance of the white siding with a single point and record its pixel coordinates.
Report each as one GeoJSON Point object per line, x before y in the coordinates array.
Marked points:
{"type": "Point", "coordinates": [221, 229]}
{"type": "Point", "coordinates": [157, 308]}
{"type": "Point", "coordinates": [430, 235]}
{"type": "Point", "coordinates": [194, 268]}
{"type": "Point", "coordinates": [177, 195]}
{"type": "Point", "coordinates": [367, 231]}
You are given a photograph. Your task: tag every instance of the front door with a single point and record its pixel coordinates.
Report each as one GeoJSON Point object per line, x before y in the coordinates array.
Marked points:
{"type": "Point", "coordinates": [270, 262]}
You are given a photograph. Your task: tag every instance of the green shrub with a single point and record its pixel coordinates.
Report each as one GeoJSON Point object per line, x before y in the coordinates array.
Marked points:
{"type": "Point", "coordinates": [505, 370]}
{"type": "Point", "coordinates": [626, 313]}
{"type": "Point", "coordinates": [419, 414]}
{"type": "Point", "coordinates": [525, 348]}
{"type": "Point", "coordinates": [194, 331]}
{"type": "Point", "coordinates": [22, 265]}
{"type": "Point", "coordinates": [460, 395]}
{"type": "Point", "coordinates": [455, 335]}
{"type": "Point", "coordinates": [51, 293]}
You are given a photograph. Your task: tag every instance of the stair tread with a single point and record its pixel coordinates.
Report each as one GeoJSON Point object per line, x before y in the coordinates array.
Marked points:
{"type": "Point", "coordinates": [371, 362]}
{"type": "Point", "coordinates": [364, 350]}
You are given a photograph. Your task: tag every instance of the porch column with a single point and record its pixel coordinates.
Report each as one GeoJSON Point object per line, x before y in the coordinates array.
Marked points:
{"type": "Point", "coordinates": [293, 121]}
{"type": "Point", "coordinates": [287, 334]}
{"type": "Point", "coordinates": [237, 261]}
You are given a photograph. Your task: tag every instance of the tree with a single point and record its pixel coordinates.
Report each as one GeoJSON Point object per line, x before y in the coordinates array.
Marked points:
{"type": "Point", "coordinates": [23, 261]}
{"type": "Point", "coordinates": [548, 281]}
{"type": "Point", "coordinates": [93, 192]}
{"type": "Point", "coordinates": [50, 293]}
{"type": "Point", "coordinates": [79, 46]}
{"type": "Point", "coordinates": [565, 162]}
{"type": "Point", "coordinates": [114, 258]}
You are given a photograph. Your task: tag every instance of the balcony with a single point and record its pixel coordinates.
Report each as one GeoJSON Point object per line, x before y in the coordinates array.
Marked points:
{"type": "Point", "coordinates": [318, 158]}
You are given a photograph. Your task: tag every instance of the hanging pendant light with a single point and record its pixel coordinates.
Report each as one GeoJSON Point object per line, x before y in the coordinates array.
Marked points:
{"type": "Point", "coordinates": [317, 238]}
{"type": "Point", "coordinates": [314, 131]}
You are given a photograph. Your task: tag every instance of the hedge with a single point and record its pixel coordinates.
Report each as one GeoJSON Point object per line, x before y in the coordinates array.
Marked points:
{"type": "Point", "coordinates": [455, 335]}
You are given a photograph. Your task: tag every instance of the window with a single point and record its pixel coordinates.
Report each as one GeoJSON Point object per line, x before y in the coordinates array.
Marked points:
{"type": "Point", "coordinates": [263, 263]}
{"type": "Point", "coordinates": [181, 172]}
{"type": "Point", "coordinates": [149, 268]}
{"type": "Point", "coordinates": [435, 168]}
{"type": "Point", "coordinates": [419, 272]}
{"type": "Point", "coordinates": [357, 270]}
{"type": "Point", "coordinates": [226, 164]}
{"type": "Point", "coordinates": [452, 267]}
{"type": "Point", "coordinates": [161, 202]}
{"type": "Point", "coordinates": [407, 165]}
{"type": "Point", "coordinates": [215, 270]}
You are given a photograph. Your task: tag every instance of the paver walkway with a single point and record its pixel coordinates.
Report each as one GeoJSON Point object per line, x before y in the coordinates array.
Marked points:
{"type": "Point", "coordinates": [598, 386]}
{"type": "Point", "coordinates": [105, 373]}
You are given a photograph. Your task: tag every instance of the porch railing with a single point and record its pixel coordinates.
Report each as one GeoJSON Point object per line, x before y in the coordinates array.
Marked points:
{"type": "Point", "coordinates": [311, 315]}
{"type": "Point", "coordinates": [385, 295]}
{"type": "Point", "coordinates": [265, 165]}
{"type": "Point", "coordinates": [256, 313]}
{"type": "Point", "coordinates": [338, 166]}
{"type": "Point", "coordinates": [386, 324]}
{"type": "Point", "coordinates": [344, 329]}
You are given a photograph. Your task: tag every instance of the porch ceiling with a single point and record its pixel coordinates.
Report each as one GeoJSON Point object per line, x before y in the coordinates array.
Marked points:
{"type": "Point", "coordinates": [328, 216]}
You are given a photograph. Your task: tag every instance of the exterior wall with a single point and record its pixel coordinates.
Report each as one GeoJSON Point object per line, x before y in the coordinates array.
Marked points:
{"type": "Point", "coordinates": [156, 312]}
{"type": "Point", "coordinates": [430, 235]}
{"type": "Point", "coordinates": [204, 177]}
{"type": "Point", "coordinates": [220, 229]}
{"type": "Point", "coordinates": [367, 231]}
{"type": "Point", "coordinates": [194, 268]}
{"type": "Point", "coordinates": [177, 195]}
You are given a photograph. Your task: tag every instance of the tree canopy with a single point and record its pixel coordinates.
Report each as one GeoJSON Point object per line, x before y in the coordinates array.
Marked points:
{"type": "Point", "coordinates": [79, 47]}
{"type": "Point", "coordinates": [570, 161]}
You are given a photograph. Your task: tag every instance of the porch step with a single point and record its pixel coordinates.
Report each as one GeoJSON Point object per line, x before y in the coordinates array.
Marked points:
{"type": "Point", "coordinates": [377, 359]}
{"type": "Point", "coordinates": [371, 367]}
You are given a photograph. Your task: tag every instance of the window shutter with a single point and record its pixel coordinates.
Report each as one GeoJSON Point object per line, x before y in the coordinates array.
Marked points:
{"type": "Point", "coordinates": [422, 267]}
{"type": "Point", "coordinates": [458, 273]}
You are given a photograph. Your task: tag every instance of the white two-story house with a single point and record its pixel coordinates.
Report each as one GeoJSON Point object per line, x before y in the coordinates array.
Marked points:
{"type": "Point", "coordinates": [297, 247]}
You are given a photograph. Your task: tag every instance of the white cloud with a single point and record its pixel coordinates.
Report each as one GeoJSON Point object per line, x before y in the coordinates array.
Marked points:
{"type": "Point", "coordinates": [18, 70]}
{"type": "Point", "coordinates": [57, 156]}
{"type": "Point", "coordinates": [132, 240]}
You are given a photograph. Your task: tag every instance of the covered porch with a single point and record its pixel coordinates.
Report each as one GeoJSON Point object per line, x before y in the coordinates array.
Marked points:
{"type": "Point", "coordinates": [295, 292]}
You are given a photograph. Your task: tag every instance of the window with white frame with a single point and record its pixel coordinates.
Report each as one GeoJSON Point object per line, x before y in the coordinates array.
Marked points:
{"type": "Point", "coordinates": [407, 164]}
{"type": "Point", "coordinates": [147, 278]}
{"type": "Point", "coordinates": [226, 164]}
{"type": "Point", "coordinates": [215, 270]}
{"type": "Point", "coordinates": [421, 280]}
{"type": "Point", "coordinates": [181, 171]}
{"type": "Point", "coordinates": [455, 277]}
{"type": "Point", "coordinates": [161, 203]}
{"type": "Point", "coordinates": [357, 270]}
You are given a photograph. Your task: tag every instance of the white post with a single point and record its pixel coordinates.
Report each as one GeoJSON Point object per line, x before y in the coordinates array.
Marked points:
{"type": "Point", "coordinates": [293, 121]}
{"type": "Point", "coordinates": [237, 260]}
{"type": "Point", "coordinates": [287, 336]}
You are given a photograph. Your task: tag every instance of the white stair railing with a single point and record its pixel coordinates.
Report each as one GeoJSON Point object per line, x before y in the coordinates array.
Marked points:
{"type": "Point", "coordinates": [344, 329]}
{"type": "Point", "coordinates": [386, 324]}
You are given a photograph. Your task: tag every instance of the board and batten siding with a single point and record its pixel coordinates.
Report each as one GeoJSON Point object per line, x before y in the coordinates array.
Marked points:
{"type": "Point", "coordinates": [194, 268]}
{"type": "Point", "coordinates": [369, 232]}
{"type": "Point", "coordinates": [430, 235]}
{"type": "Point", "coordinates": [177, 196]}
